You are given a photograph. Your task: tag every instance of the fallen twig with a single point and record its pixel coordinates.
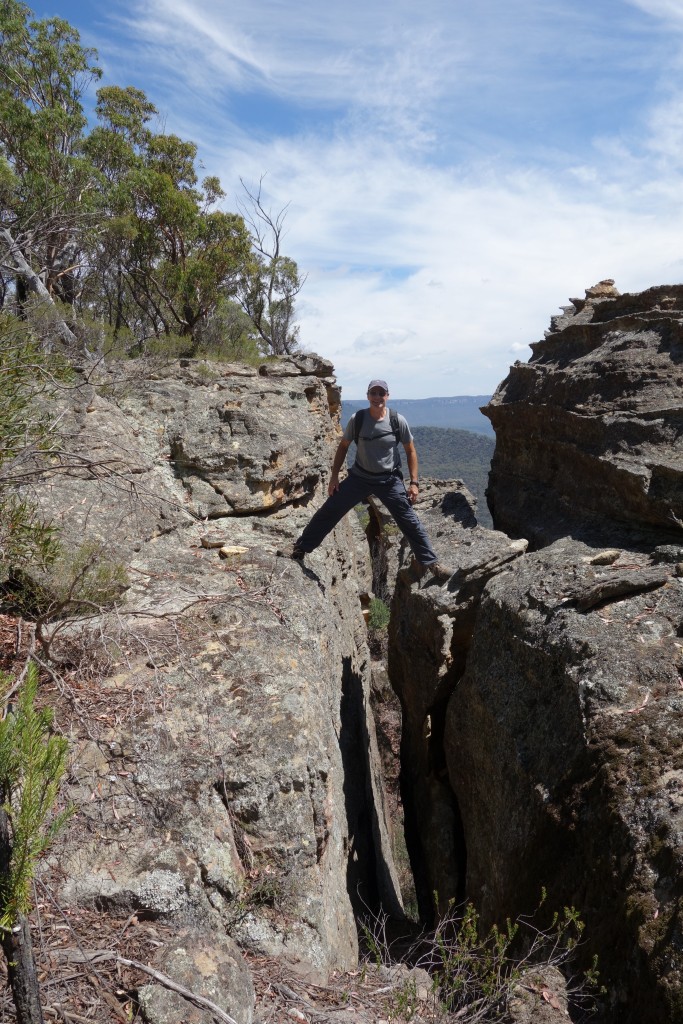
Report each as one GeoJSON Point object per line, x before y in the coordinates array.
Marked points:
{"type": "Point", "coordinates": [167, 982]}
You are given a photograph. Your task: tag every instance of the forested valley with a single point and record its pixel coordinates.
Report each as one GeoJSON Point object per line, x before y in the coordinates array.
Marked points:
{"type": "Point", "coordinates": [446, 454]}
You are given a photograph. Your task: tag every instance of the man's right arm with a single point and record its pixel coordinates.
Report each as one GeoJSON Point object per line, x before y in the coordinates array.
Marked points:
{"type": "Point", "coordinates": [338, 462]}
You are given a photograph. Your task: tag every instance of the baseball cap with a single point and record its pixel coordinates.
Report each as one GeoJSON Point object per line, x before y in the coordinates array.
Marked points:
{"type": "Point", "coordinates": [378, 384]}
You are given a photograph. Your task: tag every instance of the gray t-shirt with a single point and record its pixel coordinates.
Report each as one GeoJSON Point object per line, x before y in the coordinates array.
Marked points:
{"type": "Point", "coordinates": [376, 451]}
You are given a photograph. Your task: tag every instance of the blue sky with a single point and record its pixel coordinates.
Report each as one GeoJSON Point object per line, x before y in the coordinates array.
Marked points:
{"type": "Point", "coordinates": [454, 171]}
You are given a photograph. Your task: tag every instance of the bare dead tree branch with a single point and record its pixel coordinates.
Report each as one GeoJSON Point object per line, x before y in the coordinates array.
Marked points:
{"type": "Point", "coordinates": [168, 983]}
{"type": "Point", "coordinates": [14, 260]}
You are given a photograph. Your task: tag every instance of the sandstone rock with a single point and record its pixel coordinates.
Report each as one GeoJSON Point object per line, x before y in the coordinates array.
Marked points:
{"type": "Point", "coordinates": [587, 430]}
{"type": "Point", "coordinates": [429, 636]}
{"type": "Point", "coordinates": [543, 708]}
{"type": "Point", "coordinates": [237, 787]}
{"type": "Point", "coordinates": [563, 743]}
{"type": "Point", "coordinates": [540, 998]}
{"type": "Point", "coordinates": [207, 965]}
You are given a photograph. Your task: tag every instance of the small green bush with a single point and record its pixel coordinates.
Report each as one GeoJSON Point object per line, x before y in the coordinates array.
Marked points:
{"type": "Point", "coordinates": [74, 583]}
{"type": "Point", "coordinates": [476, 972]}
{"type": "Point", "coordinates": [363, 515]}
{"type": "Point", "coordinates": [379, 614]}
{"type": "Point", "coordinates": [32, 764]}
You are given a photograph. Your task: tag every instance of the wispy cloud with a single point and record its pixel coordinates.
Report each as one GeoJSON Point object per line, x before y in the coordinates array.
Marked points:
{"type": "Point", "coordinates": [668, 10]}
{"type": "Point", "coordinates": [454, 172]}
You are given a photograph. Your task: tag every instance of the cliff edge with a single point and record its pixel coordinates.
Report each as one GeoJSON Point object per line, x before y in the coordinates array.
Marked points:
{"type": "Point", "coordinates": [542, 689]}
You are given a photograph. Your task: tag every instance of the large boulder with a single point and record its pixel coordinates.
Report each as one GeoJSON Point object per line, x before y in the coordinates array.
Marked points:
{"type": "Point", "coordinates": [209, 966]}
{"type": "Point", "coordinates": [564, 746]}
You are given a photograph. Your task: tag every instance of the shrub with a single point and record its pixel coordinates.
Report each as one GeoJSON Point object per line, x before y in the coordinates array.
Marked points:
{"type": "Point", "coordinates": [26, 372]}
{"type": "Point", "coordinates": [379, 614]}
{"type": "Point", "coordinates": [475, 973]}
{"type": "Point", "coordinates": [32, 764]}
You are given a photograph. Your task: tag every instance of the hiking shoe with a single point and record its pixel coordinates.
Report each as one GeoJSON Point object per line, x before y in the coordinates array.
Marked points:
{"type": "Point", "coordinates": [440, 572]}
{"type": "Point", "coordinates": [292, 551]}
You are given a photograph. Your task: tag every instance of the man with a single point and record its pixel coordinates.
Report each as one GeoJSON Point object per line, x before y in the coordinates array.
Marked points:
{"type": "Point", "coordinates": [374, 472]}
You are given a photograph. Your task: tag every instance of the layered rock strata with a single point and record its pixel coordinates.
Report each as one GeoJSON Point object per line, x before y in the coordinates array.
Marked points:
{"type": "Point", "coordinates": [588, 431]}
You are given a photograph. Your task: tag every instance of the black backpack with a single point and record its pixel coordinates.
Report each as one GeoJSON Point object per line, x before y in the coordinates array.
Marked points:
{"type": "Point", "coordinates": [395, 426]}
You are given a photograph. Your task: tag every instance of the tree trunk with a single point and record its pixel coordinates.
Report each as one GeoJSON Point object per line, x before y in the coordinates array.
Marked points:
{"type": "Point", "coordinates": [14, 260]}
{"type": "Point", "coordinates": [17, 947]}
{"type": "Point", "coordinates": [21, 967]}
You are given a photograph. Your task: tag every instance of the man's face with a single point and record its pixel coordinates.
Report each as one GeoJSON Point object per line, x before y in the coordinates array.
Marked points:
{"type": "Point", "coordinates": [377, 397]}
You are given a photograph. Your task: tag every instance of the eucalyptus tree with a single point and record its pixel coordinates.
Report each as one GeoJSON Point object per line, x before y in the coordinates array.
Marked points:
{"type": "Point", "coordinates": [271, 281]}
{"type": "Point", "coordinates": [112, 219]}
{"type": "Point", "coordinates": [167, 254]}
{"type": "Point", "coordinates": [185, 254]}
{"type": "Point", "coordinates": [48, 189]}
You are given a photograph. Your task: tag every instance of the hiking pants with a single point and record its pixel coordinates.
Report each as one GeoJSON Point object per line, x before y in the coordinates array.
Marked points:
{"type": "Point", "coordinates": [351, 492]}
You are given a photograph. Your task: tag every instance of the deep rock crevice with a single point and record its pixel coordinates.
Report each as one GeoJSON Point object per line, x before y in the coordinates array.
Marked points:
{"type": "Point", "coordinates": [548, 680]}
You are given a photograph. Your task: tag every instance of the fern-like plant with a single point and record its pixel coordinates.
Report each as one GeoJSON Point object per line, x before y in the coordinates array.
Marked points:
{"type": "Point", "coordinates": [32, 765]}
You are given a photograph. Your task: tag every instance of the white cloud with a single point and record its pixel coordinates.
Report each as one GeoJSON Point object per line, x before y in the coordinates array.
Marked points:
{"type": "Point", "coordinates": [454, 172]}
{"type": "Point", "coordinates": [669, 10]}
{"type": "Point", "coordinates": [390, 339]}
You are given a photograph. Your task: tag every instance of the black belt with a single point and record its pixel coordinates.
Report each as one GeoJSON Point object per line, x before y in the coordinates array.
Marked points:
{"type": "Point", "coordinates": [386, 472]}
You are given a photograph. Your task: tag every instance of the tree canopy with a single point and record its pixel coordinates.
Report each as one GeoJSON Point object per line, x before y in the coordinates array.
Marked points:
{"type": "Point", "coordinates": [111, 221]}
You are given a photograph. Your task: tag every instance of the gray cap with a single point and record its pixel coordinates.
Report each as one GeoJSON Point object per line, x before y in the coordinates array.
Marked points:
{"type": "Point", "coordinates": [378, 384]}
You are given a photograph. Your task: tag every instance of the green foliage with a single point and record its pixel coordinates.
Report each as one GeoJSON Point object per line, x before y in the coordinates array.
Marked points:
{"type": "Point", "coordinates": [114, 220]}
{"type": "Point", "coordinates": [86, 577]}
{"type": "Point", "coordinates": [43, 72]}
{"type": "Point", "coordinates": [32, 764]}
{"type": "Point", "coordinates": [26, 373]}
{"type": "Point", "coordinates": [475, 972]}
{"type": "Point", "coordinates": [270, 281]}
{"type": "Point", "coordinates": [24, 537]}
{"type": "Point", "coordinates": [229, 336]}
{"type": "Point", "coordinates": [375, 947]}
{"type": "Point", "coordinates": [406, 1002]}
{"type": "Point", "coordinates": [74, 583]}
{"type": "Point", "coordinates": [474, 968]}
{"type": "Point", "coordinates": [379, 614]}
{"type": "Point", "coordinates": [363, 515]}
{"type": "Point", "coordinates": [268, 289]}
{"type": "Point", "coordinates": [447, 454]}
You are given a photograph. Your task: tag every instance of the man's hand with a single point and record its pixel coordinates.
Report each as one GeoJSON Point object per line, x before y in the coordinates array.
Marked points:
{"type": "Point", "coordinates": [413, 491]}
{"type": "Point", "coordinates": [339, 459]}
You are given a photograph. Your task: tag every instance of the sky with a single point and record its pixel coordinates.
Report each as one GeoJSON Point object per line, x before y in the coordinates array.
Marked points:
{"type": "Point", "coordinates": [453, 171]}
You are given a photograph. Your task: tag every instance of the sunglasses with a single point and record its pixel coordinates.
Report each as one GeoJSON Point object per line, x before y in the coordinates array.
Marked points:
{"type": "Point", "coordinates": [377, 392]}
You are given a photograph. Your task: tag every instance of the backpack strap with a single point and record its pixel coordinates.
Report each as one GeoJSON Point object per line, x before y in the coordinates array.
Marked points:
{"type": "Point", "coordinates": [395, 426]}
{"type": "Point", "coordinates": [357, 424]}
{"type": "Point", "coordinates": [393, 421]}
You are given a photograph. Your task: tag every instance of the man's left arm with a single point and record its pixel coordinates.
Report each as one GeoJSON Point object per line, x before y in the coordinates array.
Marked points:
{"type": "Point", "coordinates": [411, 458]}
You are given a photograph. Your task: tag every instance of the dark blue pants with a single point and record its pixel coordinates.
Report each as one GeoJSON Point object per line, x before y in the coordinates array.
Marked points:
{"type": "Point", "coordinates": [351, 492]}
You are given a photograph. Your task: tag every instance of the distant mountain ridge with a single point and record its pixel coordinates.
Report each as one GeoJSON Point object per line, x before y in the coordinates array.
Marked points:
{"type": "Point", "coordinates": [459, 412]}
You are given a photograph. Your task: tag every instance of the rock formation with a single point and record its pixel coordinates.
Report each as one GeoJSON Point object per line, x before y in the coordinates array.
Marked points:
{"type": "Point", "coordinates": [224, 753]}
{"type": "Point", "coordinates": [588, 432]}
{"type": "Point", "coordinates": [224, 757]}
{"type": "Point", "coordinates": [543, 691]}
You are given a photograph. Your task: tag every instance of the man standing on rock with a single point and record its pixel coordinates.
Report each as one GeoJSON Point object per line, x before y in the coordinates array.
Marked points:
{"type": "Point", "coordinates": [377, 433]}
